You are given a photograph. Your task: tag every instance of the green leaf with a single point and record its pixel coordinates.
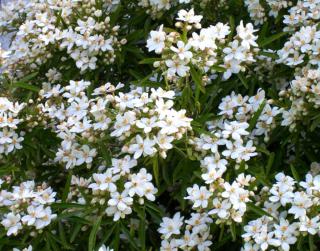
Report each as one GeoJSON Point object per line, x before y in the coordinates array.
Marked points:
{"type": "Point", "coordinates": [259, 211]}
{"type": "Point", "coordinates": [243, 80]}
{"type": "Point", "coordinates": [294, 173]}
{"type": "Point", "coordinates": [142, 229]}
{"type": "Point", "coordinates": [272, 38]}
{"type": "Point", "coordinates": [269, 54]}
{"type": "Point", "coordinates": [67, 187]}
{"type": "Point", "coordinates": [270, 163]}
{"type": "Point", "coordinates": [108, 233]}
{"type": "Point", "coordinates": [130, 239]}
{"type": "Point", "coordinates": [311, 243]}
{"type": "Point", "coordinates": [93, 234]}
{"type": "Point", "coordinates": [256, 116]}
{"type": "Point", "coordinates": [218, 68]}
{"type": "Point", "coordinates": [26, 86]}
{"type": "Point", "coordinates": [149, 60]}
{"type": "Point", "coordinates": [233, 231]}
{"type": "Point", "coordinates": [155, 166]}
{"type": "Point", "coordinates": [67, 205]}
{"type": "Point", "coordinates": [28, 77]}
{"type": "Point", "coordinates": [63, 238]}
{"type": "Point", "coordinates": [75, 232]}
{"type": "Point", "coordinates": [197, 78]}
{"type": "Point", "coordinates": [52, 241]}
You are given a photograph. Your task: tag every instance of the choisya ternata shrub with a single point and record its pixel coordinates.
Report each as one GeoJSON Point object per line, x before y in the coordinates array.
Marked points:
{"type": "Point", "coordinates": [160, 125]}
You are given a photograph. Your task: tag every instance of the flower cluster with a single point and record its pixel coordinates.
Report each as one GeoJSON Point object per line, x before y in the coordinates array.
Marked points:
{"type": "Point", "coordinates": [226, 202]}
{"type": "Point", "coordinates": [156, 7]}
{"type": "Point", "coordinates": [207, 50]}
{"type": "Point", "coordinates": [199, 133]}
{"type": "Point", "coordinates": [225, 146]}
{"type": "Point", "coordinates": [301, 51]}
{"type": "Point", "coordinates": [28, 207]}
{"type": "Point", "coordinates": [304, 96]}
{"type": "Point", "coordinates": [196, 233]}
{"type": "Point", "coordinates": [304, 13]}
{"type": "Point", "coordinates": [237, 107]}
{"type": "Point", "coordinates": [86, 41]}
{"type": "Point", "coordinates": [72, 113]}
{"type": "Point", "coordinates": [257, 11]}
{"type": "Point", "coordinates": [116, 188]}
{"type": "Point", "coordinates": [291, 211]}
{"type": "Point", "coordinates": [10, 139]}
{"type": "Point", "coordinates": [303, 43]}
{"type": "Point", "coordinates": [148, 123]}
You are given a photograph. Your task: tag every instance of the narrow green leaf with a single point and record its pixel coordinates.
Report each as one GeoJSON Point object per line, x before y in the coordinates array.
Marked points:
{"type": "Point", "coordinates": [75, 232]}
{"type": "Point", "coordinates": [256, 116]}
{"type": "Point", "coordinates": [218, 68]}
{"type": "Point", "coordinates": [311, 243]}
{"type": "Point", "coordinates": [67, 187]}
{"type": "Point", "coordinates": [233, 231]}
{"type": "Point", "coordinates": [272, 38]}
{"type": "Point", "coordinates": [108, 234]}
{"type": "Point", "coordinates": [294, 173]}
{"type": "Point", "coordinates": [197, 78]}
{"type": "Point", "coordinates": [93, 234]}
{"type": "Point", "coordinates": [243, 80]}
{"type": "Point", "coordinates": [63, 238]}
{"type": "Point", "coordinates": [155, 166]}
{"type": "Point", "coordinates": [67, 205]}
{"type": "Point", "coordinates": [270, 163]}
{"type": "Point", "coordinates": [26, 86]}
{"type": "Point", "coordinates": [130, 239]}
{"type": "Point", "coordinates": [142, 229]}
{"type": "Point", "coordinates": [259, 211]}
{"type": "Point", "coordinates": [28, 77]}
{"type": "Point", "coordinates": [149, 60]}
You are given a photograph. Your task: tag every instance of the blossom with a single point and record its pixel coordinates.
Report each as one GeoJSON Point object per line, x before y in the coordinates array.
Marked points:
{"type": "Point", "coordinates": [189, 16]}
{"type": "Point", "coordinates": [198, 195]}
{"type": "Point", "coordinates": [171, 226]}
{"type": "Point", "coordinates": [156, 42]}
{"type": "Point", "coordinates": [12, 223]}
{"type": "Point", "coordinates": [142, 147]}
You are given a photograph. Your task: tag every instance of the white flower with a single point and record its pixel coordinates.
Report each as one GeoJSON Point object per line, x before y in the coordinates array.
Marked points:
{"type": "Point", "coordinates": [104, 181]}
{"type": "Point", "coordinates": [142, 146]}
{"type": "Point", "coordinates": [310, 225]}
{"type": "Point", "coordinates": [189, 17]}
{"type": "Point", "coordinates": [123, 165]}
{"type": "Point", "coordinates": [119, 205]}
{"type": "Point", "coordinates": [171, 226]}
{"type": "Point", "coordinates": [220, 208]}
{"type": "Point", "coordinates": [147, 124]}
{"type": "Point", "coordinates": [29, 248]}
{"type": "Point", "coordinates": [12, 223]}
{"type": "Point", "coordinates": [182, 50]}
{"type": "Point", "coordinates": [169, 245]}
{"type": "Point", "coordinates": [246, 34]}
{"type": "Point", "coordinates": [177, 66]}
{"type": "Point", "coordinates": [199, 196]}
{"type": "Point", "coordinates": [285, 233]}
{"type": "Point", "coordinates": [156, 42]}
{"type": "Point", "coordinates": [104, 248]}
{"type": "Point", "coordinates": [140, 184]}
{"type": "Point", "coordinates": [45, 220]}
{"type": "Point", "coordinates": [33, 214]}
{"type": "Point", "coordinates": [85, 155]}
{"type": "Point", "coordinates": [301, 202]}
{"type": "Point", "coordinates": [234, 52]}
{"type": "Point", "coordinates": [236, 130]}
